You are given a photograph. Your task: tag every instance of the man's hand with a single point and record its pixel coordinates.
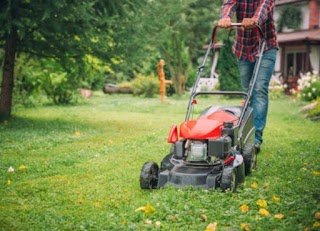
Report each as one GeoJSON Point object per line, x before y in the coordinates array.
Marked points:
{"type": "Point", "coordinates": [224, 23]}
{"type": "Point", "coordinates": [249, 23]}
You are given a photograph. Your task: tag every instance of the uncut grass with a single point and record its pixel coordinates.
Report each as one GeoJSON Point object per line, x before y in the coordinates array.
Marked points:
{"type": "Point", "coordinates": [83, 165]}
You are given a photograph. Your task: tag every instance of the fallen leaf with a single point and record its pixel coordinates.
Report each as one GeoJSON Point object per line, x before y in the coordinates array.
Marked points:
{"type": "Point", "coordinates": [204, 217]}
{"type": "Point", "coordinates": [275, 199]}
{"type": "Point", "coordinates": [244, 208]}
{"type": "Point", "coordinates": [316, 224]}
{"type": "Point", "coordinates": [158, 224]}
{"type": "Point", "coordinates": [212, 227]}
{"type": "Point", "coordinates": [22, 168]}
{"type": "Point", "coordinates": [244, 226]}
{"type": "Point", "coordinates": [147, 222]}
{"type": "Point", "coordinates": [262, 203]}
{"type": "Point", "coordinates": [279, 216]}
{"type": "Point", "coordinates": [264, 212]}
{"type": "Point", "coordinates": [254, 185]}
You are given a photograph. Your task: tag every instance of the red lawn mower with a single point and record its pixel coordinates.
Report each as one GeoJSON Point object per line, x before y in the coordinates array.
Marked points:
{"type": "Point", "coordinates": [216, 150]}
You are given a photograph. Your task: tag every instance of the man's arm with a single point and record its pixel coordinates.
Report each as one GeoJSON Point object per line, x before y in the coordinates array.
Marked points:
{"type": "Point", "coordinates": [227, 10]}
{"type": "Point", "coordinates": [261, 13]}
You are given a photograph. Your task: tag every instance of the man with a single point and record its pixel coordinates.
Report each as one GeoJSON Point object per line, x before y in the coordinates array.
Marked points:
{"type": "Point", "coordinates": [245, 47]}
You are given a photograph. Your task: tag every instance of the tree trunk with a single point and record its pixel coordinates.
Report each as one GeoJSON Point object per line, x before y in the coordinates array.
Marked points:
{"type": "Point", "coordinates": [7, 78]}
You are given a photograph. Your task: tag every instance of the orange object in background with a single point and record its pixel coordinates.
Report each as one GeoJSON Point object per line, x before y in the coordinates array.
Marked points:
{"type": "Point", "coordinates": [163, 80]}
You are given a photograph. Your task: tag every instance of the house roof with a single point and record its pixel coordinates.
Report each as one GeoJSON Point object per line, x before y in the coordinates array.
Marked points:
{"type": "Point", "coordinates": [296, 36]}
{"type": "Point", "coordinates": [282, 2]}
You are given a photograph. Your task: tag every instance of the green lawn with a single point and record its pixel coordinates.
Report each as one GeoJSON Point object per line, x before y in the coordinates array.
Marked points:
{"type": "Point", "coordinates": [83, 165]}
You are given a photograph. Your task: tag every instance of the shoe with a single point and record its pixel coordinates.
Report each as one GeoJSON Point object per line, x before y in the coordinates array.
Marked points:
{"type": "Point", "coordinates": [257, 147]}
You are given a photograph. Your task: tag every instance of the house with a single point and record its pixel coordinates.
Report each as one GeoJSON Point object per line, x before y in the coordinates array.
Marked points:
{"type": "Point", "coordinates": [298, 25]}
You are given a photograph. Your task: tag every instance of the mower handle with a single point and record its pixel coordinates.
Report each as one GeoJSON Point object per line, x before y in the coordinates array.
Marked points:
{"type": "Point", "coordinates": [234, 25]}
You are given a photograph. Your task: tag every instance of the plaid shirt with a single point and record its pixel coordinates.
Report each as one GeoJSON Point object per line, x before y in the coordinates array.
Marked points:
{"type": "Point", "coordinates": [246, 43]}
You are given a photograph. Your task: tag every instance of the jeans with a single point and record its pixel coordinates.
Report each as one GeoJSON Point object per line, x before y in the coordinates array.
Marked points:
{"type": "Point", "coordinates": [260, 98]}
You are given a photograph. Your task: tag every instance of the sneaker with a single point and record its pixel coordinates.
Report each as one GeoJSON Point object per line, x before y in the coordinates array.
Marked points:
{"type": "Point", "coordinates": [257, 147]}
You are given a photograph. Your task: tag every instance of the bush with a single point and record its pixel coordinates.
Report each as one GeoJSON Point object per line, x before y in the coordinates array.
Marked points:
{"type": "Point", "coordinates": [146, 86]}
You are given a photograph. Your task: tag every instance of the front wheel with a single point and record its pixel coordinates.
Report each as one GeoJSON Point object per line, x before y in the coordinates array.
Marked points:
{"type": "Point", "coordinates": [228, 180]}
{"type": "Point", "coordinates": [149, 175]}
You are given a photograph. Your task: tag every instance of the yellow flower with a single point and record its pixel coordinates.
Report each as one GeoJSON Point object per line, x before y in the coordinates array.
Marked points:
{"type": "Point", "coordinates": [262, 203]}
{"type": "Point", "coordinates": [264, 212]}
{"type": "Point", "coordinates": [266, 185]}
{"type": "Point", "coordinates": [275, 199]}
{"type": "Point", "coordinates": [279, 216]}
{"type": "Point", "coordinates": [22, 168]}
{"type": "Point", "coordinates": [254, 185]}
{"type": "Point", "coordinates": [124, 222]}
{"type": "Point", "coordinates": [244, 208]}
{"type": "Point", "coordinates": [8, 182]}
{"type": "Point", "coordinates": [244, 226]}
{"type": "Point", "coordinates": [77, 133]}
{"type": "Point", "coordinates": [316, 173]}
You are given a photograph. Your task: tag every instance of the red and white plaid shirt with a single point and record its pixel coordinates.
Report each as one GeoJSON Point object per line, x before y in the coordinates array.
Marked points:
{"type": "Point", "coordinates": [246, 43]}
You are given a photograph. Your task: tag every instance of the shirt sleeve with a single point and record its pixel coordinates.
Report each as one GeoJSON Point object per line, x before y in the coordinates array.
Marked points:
{"type": "Point", "coordinates": [262, 12]}
{"type": "Point", "coordinates": [228, 8]}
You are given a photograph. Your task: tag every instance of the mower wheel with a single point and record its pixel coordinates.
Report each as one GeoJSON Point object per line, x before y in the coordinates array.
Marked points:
{"type": "Point", "coordinates": [228, 180]}
{"type": "Point", "coordinates": [250, 159]}
{"type": "Point", "coordinates": [149, 175]}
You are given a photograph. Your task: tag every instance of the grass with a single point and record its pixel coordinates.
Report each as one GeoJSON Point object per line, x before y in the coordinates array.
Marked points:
{"type": "Point", "coordinates": [83, 165]}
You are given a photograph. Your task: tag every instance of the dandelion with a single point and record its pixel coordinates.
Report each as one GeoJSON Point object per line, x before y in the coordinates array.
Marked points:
{"type": "Point", "coordinates": [262, 203]}
{"type": "Point", "coordinates": [275, 199]}
{"type": "Point", "coordinates": [77, 133]}
{"type": "Point", "coordinates": [254, 185]}
{"type": "Point", "coordinates": [244, 208]}
{"type": "Point", "coordinates": [279, 216]}
{"type": "Point", "coordinates": [8, 182]}
{"type": "Point", "coordinates": [316, 173]}
{"type": "Point", "coordinates": [264, 212]}
{"type": "Point", "coordinates": [22, 168]}
{"type": "Point", "coordinates": [124, 222]}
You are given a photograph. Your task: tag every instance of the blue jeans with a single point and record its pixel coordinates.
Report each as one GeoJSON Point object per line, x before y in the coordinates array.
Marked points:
{"type": "Point", "coordinates": [260, 98]}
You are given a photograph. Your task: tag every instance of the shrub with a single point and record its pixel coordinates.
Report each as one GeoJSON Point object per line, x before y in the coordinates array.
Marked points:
{"type": "Point", "coordinates": [314, 113]}
{"type": "Point", "coordinates": [146, 86]}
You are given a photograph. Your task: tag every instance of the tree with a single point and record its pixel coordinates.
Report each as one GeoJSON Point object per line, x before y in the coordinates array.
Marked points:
{"type": "Point", "coordinates": [58, 29]}
{"type": "Point", "coordinates": [177, 31]}
{"type": "Point", "coordinates": [228, 68]}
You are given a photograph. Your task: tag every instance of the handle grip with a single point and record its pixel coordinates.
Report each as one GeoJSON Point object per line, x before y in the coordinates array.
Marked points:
{"type": "Point", "coordinates": [234, 25]}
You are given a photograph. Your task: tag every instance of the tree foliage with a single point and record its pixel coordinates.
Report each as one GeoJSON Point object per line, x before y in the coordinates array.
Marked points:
{"type": "Point", "coordinates": [228, 69]}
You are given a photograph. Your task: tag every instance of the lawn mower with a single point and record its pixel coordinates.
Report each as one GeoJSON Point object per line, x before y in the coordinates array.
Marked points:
{"type": "Point", "coordinates": [216, 150]}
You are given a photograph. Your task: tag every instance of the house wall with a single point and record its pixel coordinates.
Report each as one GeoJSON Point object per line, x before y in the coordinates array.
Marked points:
{"type": "Point", "coordinates": [304, 6]}
{"type": "Point", "coordinates": [315, 58]}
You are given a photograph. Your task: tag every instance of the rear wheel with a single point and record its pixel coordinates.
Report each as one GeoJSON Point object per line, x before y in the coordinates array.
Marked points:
{"type": "Point", "coordinates": [228, 180]}
{"type": "Point", "coordinates": [149, 175]}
